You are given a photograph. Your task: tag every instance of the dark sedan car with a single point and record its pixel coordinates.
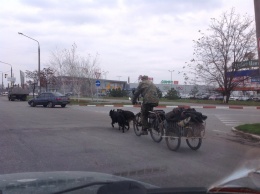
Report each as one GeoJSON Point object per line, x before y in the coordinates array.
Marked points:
{"type": "Point", "coordinates": [49, 99]}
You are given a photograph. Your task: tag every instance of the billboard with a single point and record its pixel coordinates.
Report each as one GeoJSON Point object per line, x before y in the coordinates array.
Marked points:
{"type": "Point", "coordinates": [248, 80]}
{"type": "Point", "coordinates": [246, 64]}
{"type": "Point", "coordinates": [255, 79]}
{"type": "Point", "coordinates": [250, 73]}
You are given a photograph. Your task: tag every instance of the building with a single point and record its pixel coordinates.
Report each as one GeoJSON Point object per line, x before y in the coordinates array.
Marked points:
{"type": "Point", "coordinates": [182, 89]}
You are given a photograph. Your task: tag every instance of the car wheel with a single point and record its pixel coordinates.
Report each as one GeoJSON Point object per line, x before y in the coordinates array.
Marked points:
{"type": "Point", "coordinates": [63, 105]}
{"type": "Point", "coordinates": [45, 105]}
{"type": "Point", "coordinates": [50, 105]}
{"type": "Point", "coordinates": [32, 104]}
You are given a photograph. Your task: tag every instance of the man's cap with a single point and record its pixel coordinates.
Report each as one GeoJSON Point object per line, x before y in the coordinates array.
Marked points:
{"type": "Point", "coordinates": [144, 77]}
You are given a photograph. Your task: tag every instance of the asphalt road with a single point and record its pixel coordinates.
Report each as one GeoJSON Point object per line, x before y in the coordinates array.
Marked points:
{"type": "Point", "coordinates": [79, 138]}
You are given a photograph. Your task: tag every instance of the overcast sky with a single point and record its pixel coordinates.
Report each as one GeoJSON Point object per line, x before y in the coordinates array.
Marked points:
{"type": "Point", "coordinates": [132, 37]}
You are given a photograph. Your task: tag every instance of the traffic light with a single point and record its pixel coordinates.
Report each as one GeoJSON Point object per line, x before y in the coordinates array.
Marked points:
{"type": "Point", "coordinates": [6, 75]}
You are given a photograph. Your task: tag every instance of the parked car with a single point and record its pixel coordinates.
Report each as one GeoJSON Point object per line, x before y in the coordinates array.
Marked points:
{"type": "Point", "coordinates": [185, 96]}
{"type": "Point", "coordinates": [49, 99]}
{"type": "Point", "coordinates": [69, 94]}
{"type": "Point", "coordinates": [203, 97]}
{"type": "Point", "coordinates": [243, 98]}
{"type": "Point", "coordinates": [256, 99]}
{"type": "Point", "coordinates": [234, 98]}
{"type": "Point", "coordinates": [100, 94]}
{"type": "Point", "coordinates": [5, 93]}
{"type": "Point", "coordinates": [216, 97]}
{"type": "Point", "coordinates": [164, 94]}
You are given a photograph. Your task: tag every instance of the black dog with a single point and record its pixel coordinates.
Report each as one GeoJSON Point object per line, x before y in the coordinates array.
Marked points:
{"type": "Point", "coordinates": [118, 117]}
{"type": "Point", "coordinates": [129, 116]}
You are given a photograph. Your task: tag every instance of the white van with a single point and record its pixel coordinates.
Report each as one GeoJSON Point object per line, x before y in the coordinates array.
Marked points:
{"type": "Point", "coordinates": [5, 93]}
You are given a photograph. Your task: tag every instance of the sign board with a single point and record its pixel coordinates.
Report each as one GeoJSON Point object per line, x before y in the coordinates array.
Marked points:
{"type": "Point", "coordinates": [166, 82]}
{"type": "Point", "coordinates": [11, 79]}
{"type": "Point", "coordinates": [246, 64]}
{"type": "Point", "coordinates": [255, 79]}
{"type": "Point", "coordinates": [251, 73]}
{"type": "Point", "coordinates": [97, 83]}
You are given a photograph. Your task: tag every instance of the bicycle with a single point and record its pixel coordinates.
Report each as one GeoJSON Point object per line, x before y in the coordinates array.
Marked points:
{"type": "Point", "coordinates": [155, 120]}
{"type": "Point", "coordinates": [173, 132]}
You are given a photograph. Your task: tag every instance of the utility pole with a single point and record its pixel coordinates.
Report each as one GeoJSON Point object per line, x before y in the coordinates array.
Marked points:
{"type": "Point", "coordinates": [2, 82]}
{"type": "Point", "coordinates": [257, 24]}
{"type": "Point", "coordinates": [171, 76]}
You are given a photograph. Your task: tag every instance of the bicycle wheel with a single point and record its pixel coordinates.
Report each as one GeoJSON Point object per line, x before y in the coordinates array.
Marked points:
{"type": "Point", "coordinates": [138, 124]}
{"type": "Point", "coordinates": [173, 143]}
{"type": "Point", "coordinates": [194, 143]}
{"type": "Point", "coordinates": [155, 131]}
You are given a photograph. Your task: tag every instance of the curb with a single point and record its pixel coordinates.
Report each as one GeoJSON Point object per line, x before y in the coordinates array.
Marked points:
{"type": "Point", "coordinates": [179, 106]}
{"type": "Point", "coordinates": [252, 135]}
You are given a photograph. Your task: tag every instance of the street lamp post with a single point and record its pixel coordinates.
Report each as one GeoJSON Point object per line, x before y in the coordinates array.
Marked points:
{"type": "Point", "coordinates": [39, 64]}
{"type": "Point", "coordinates": [2, 81]}
{"type": "Point", "coordinates": [171, 76]}
{"type": "Point", "coordinates": [11, 69]}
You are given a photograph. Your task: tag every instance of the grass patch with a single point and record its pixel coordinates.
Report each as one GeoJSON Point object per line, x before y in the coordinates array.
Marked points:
{"type": "Point", "coordinates": [83, 102]}
{"type": "Point", "coordinates": [78, 102]}
{"type": "Point", "coordinates": [250, 128]}
{"type": "Point", "coordinates": [115, 98]}
{"type": "Point", "coordinates": [197, 101]}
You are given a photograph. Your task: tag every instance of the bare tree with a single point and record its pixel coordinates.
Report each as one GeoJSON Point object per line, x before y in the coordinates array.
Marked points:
{"type": "Point", "coordinates": [194, 91]}
{"type": "Point", "coordinates": [91, 71]}
{"type": "Point", "coordinates": [74, 70]}
{"type": "Point", "coordinates": [32, 75]}
{"type": "Point", "coordinates": [229, 41]}
{"type": "Point", "coordinates": [58, 63]}
{"type": "Point", "coordinates": [47, 77]}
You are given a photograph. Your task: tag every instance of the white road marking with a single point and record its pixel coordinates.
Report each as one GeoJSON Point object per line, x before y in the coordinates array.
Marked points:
{"type": "Point", "coordinates": [228, 121]}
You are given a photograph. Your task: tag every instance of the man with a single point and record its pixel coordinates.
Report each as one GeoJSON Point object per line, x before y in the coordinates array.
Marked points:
{"type": "Point", "coordinates": [150, 99]}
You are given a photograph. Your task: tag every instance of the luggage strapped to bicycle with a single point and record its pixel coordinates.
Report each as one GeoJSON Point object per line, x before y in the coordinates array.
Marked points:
{"type": "Point", "coordinates": [186, 123]}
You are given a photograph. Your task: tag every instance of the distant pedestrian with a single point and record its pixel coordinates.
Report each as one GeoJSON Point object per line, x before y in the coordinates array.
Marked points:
{"type": "Point", "coordinates": [225, 99]}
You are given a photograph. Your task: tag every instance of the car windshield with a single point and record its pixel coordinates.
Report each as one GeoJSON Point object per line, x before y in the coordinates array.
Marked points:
{"type": "Point", "coordinates": [164, 92]}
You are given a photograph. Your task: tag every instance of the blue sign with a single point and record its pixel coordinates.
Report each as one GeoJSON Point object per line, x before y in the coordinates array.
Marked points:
{"type": "Point", "coordinates": [97, 83]}
{"type": "Point", "coordinates": [255, 79]}
{"type": "Point", "coordinates": [251, 73]}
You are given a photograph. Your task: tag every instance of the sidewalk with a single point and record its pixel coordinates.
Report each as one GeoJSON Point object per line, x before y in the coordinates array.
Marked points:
{"type": "Point", "coordinates": [126, 103]}
{"type": "Point", "coordinates": [248, 134]}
